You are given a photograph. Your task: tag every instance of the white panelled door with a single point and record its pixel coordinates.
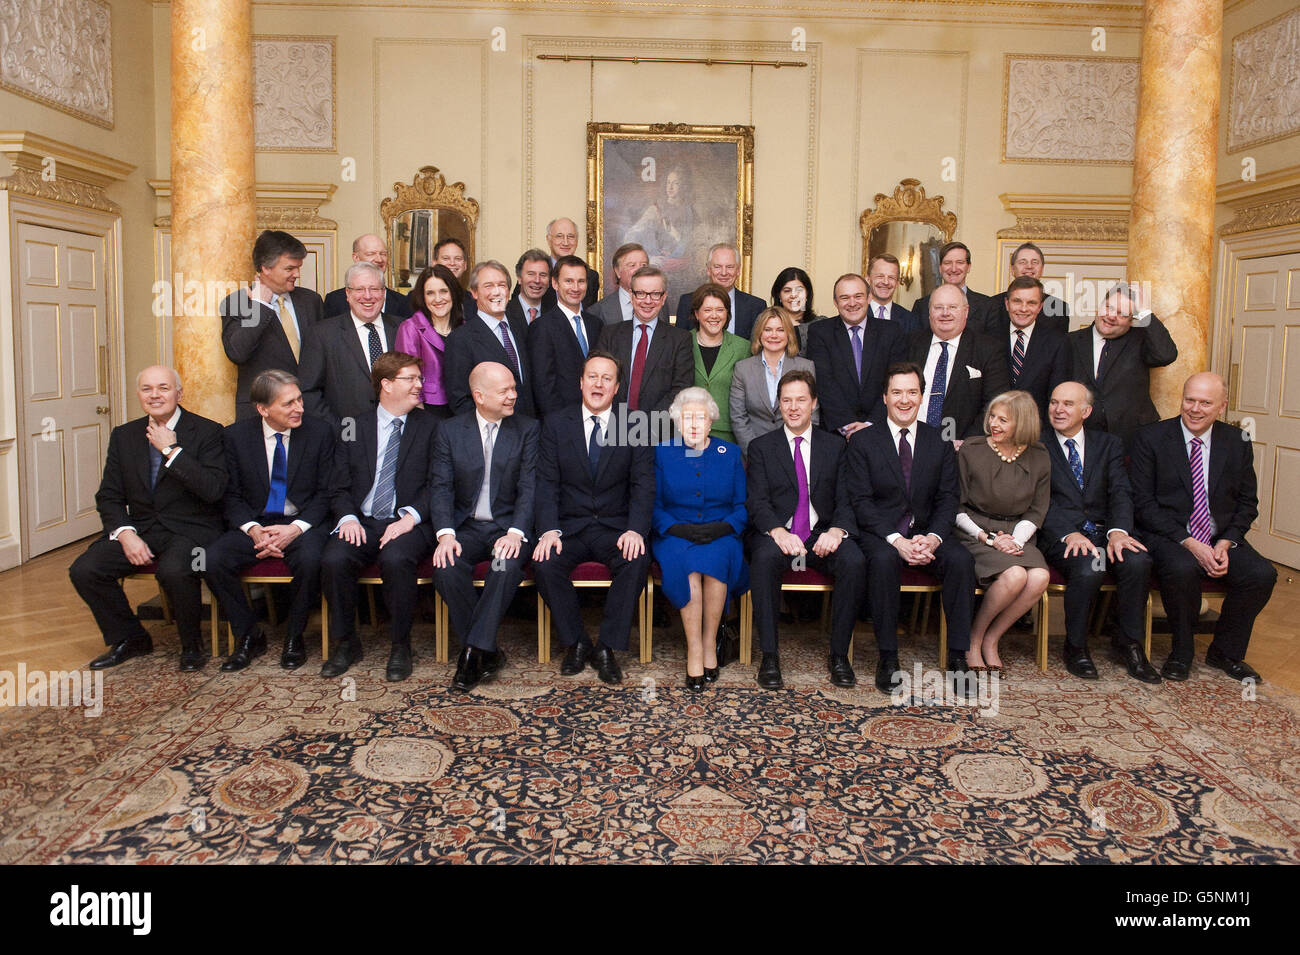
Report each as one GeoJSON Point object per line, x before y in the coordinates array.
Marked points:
{"type": "Point", "coordinates": [61, 317]}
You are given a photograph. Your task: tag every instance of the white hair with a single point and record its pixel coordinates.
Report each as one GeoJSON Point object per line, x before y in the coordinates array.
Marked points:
{"type": "Point", "coordinates": [693, 396]}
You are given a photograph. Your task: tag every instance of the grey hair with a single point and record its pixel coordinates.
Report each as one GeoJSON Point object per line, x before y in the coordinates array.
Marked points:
{"type": "Point", "coordinates": [487, 264]}
{"type": "Point", "coordinates": [692, 396]}
{"type": "Point", "coordinates": [267, 386]}
{"type": "Point", "coordinates": [357, 268]}
{"type": "Point", "coordinates": [722, 245]}
{"type": "Point", "coordinates": [176, 375]}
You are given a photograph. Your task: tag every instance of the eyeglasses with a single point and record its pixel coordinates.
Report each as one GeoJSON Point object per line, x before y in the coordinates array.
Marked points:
{"type": "Point", "coordinates": [643, 296]}
{"type": "Point", "coordinates": [417, 378]}
{"type": "Point", "coordinates": [366, 291]}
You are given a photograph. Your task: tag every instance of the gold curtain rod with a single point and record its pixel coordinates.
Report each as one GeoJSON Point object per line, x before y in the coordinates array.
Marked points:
{"type": "Point", "coordinates": [707, 61]}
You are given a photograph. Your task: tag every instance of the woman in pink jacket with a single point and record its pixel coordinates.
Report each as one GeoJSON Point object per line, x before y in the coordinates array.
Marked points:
{"type": "Point", "coordinates": [436, 310]}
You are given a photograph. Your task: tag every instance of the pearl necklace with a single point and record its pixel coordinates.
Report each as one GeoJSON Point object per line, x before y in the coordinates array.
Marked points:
{"type": "Point", "coordinates": [1009, 460]}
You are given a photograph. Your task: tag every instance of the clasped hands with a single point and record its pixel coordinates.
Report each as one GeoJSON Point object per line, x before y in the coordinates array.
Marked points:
{"type": "Point", "coordinates": [705, 533]}
{"type": "Point", "coordinates": [272, 541]}
{"type": "Point", "coordinates": [916, 551]}
{"type": "Point", "coordinates": [1213, 560]}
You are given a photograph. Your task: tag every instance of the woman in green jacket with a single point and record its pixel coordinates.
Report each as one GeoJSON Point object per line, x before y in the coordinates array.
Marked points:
{"type": "Point", "coordinates": [716, 351]}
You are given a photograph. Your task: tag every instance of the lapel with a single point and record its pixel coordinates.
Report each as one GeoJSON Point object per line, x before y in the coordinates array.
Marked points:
{"type": "Point", "coordinates": [1091, 451]}
{"type": "Point", "coordinates": [1117, 348]}
{"type": "Point", "coordinates": [575, 425]}
{"type": "Point", "coordinates": [1175, 446]}
{"type": "Point", "coordinates": [352, 344]}
{"type": "Point", "coordinates": [1219, 437]}
{"type": "Point", "coordinates": [1059, 460]}
{"type": "Point", "coordinates": [957, 362]}
{"type": "Point", "coordinates": [845, 350]}
{"type": "Point", "coordinates": [658, 345]}
{"type": "Point", "coordinates": [787, 464]}
{"type": "Point", "coordinates": [369, 444]}
{"type": "Point", "coordinates": [1081, 356]}
{"type": "Point", "coordinates": [820, 454]}
{"type": "Point", "coordinates": [429, 335]}
{"type": "Point", "coordinates": [410, 431]}
{"type": "Point", "coordinates": [891, 452]}
{"type": "Point", "coordinates": [503, 449]}
{"type": "Point", "coordinates": [263, 474]}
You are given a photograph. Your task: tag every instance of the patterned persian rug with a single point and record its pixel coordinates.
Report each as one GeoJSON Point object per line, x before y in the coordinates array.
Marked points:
{"type": "Point", "coordinates": [267, 766]}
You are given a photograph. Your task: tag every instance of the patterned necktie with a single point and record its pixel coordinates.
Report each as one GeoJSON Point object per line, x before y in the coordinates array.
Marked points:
{"type": "Point", "coordinates": [593, 445]}
{"type": "Point", "coordinates": [286, 322]}
{"type": "Point", "coordinates": [386, 484]}
{"type": "Point", "coordinates": [376, 349]}
{"type": "Point", "coordinates": [857, 350]}
{"type": "Point", "coordinates": [1017, 356]}
{"type": "Point", "coordinates": [638, 365]}
{"type": "Point", "coordinates": [905, 462]}
{"type": "Point", "coordinates": [279, 472]}
{"type": "Point", "coordinates": [532, 314]}
{"type": "Point", "coordinates": [1200, 523]}
{"type": "Point", "coordinates": [155, 466]}
{"type": "Point", "coordinates": [934, 413]}
{"type": "Point", "coordinates": [1101, 359]}
{"type": "Point", "coordinates": [1076, 466]}
{"type": "Point", "coordinates": [504, 328]}
{"type": "Point", "coordinates": [582, 337]}
{"type": "Point", "coordinates": [483, 507]}
{"type": "Point", "coordinates": [800, 524]}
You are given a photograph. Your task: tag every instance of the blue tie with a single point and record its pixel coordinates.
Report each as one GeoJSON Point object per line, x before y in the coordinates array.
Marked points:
{"type": "Point", "coordinates": [155, 465]}
{"type": "Point", "coordinates": [857, 350]}
{"type": "Point", "coordinates": [386, 484]}
{"type": "Point", "coordinates": [934, 413]}
{"type": "Point", "coordinates": [582, 338]}
{"type": "Point", "coordinates": [279, 471]}
{"type": "Point", "coordinates": [1076, 466]}
{"type": "Point", "coordinates": [593, 445]}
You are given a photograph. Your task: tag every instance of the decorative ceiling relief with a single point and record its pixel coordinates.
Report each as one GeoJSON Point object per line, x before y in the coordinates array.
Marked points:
{"type": "Point", "coordinates": [60, 53]}
{"type": "Point", "coordinates": [1062, 109]}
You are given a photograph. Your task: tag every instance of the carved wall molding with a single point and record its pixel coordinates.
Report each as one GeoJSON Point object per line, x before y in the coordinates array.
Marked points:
{"type": "Point", "coordinates": [1059, 109]}
{"type": "Point", "coordinates": [908, 203]}
{"type": "Point", "coordinates": [293, 93]}
{"type": "Point", "coordinates": [60, 53]}
{"type": "Point", "coordinates": [1264, 85]}
{"type": "Point", "coordinates": [1273, 200]}
{"type": "Point", "coordinates": [1066, 217]}
{"type": "Point", "coordinates": [429, 189]}
{"type": "Point", "coordinates": [291, 206]}
{"type": "Point", "coordinates": [46, 168]}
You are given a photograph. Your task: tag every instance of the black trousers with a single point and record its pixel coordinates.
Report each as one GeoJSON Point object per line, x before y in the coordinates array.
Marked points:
{"type": "Point", "coordinates": [97, 576]}
{"type": "Point", "coordinates": [953, 566]}
{"type": "Point", "coordinates": [1249, 583]}
{"type": "Point", "coordinates": [477, 618]}
{"type": "Point", "coordinates": [767, 563]}
{"type": "Point", "coordinates": [233, 552]}
{"type": "Point", "coordinates": [342, 563]}
{"type": "Point", "coordinates": [599, 544]}
{"type": "Point", "coordinates": [1083, 580]}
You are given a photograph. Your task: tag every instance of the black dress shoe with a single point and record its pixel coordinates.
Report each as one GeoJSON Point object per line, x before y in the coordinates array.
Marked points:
{"type": "Point", "coordinates": [346, 653]}
{"type": "Point", "coordinates": [1079, 662]}
{"type": "Point", "coordinates": [769, 672]}
{"type": "Point", "coordinates": [842, 671]}
{"type": "Point", "coordinates": [695, 683]}
{"type": "Point", "coordinates": [490, 662]}
{"type": "Point", "coordinates": [1175, 670]}
{"type": "Point", "coordinates": [607, 666]}
{"type": "Point", "coordinates": [469, 670]}
{"type": "Point", "coordinates": [122, 651]}
{"type": "Point", "coordinates": [399, 663]}
{"type": "Point", "coordinates": [1135, 661]}
{"type": "Point", "coordinates": [965, 681]}
{"type": "Point", "coordinates": [575, 661]}
{"type": "Point", "coordinates": [710, 674]}
{"type": "Point", "coordinates": [192, 659]}
{"type": "Point", "coordinates": [250, 647]}
{"type": "Point", "coordinates": [888, 676]}
{"type": "Point", "coordinates": [295, 653]}
{"type": "Point", "coordinates": [1237, 669]}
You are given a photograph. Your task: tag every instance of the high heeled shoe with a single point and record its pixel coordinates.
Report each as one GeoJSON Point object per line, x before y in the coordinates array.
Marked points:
{"type": "Point", "coordinates": [695, 683]}
{"type": "Point", "coordinates": [710, 675]}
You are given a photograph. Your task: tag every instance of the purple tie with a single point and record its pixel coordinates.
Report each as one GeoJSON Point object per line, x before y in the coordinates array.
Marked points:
{"type": "Point", "coordinates": [905, 462]}
{"type": "Point", "coordinates": [799, 525]}
{"type": "Point", "coordinates": [1018, 356]}
{"type": "Point", "coordinates": [857, 349]}
{"type": "Point", "coordinates": [1199, 525]}
{"type": "Point", "coordinates": [509, 346]}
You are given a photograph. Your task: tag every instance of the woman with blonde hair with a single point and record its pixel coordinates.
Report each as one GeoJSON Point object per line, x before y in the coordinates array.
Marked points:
{"type": "Point", "coordinates": [774, 350]}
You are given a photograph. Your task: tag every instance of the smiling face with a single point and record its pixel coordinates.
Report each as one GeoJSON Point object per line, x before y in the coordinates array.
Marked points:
{"type": "Point", "coordinates": [1205, 397]}
{"type": "Point", "coordinates": [903, 399]}
{"type": "Point", "coordinates": [948, 312]}
{"type": "Point", "coordinates": [1027, 262]}
{"type": "Point", "coordinates": [492, 292]}
{"type": "Point", "coordinates": [371, 248]}
{"type": "Point", "coordinates": [366, 295]}
{"type": "Point", "coordinates": [1023, 305]}
{"type": "Point", "coordinates": [1115, 317]}
{"type": "Point", "coordinates": [285, 412]}
{"type": "Point", "coordinates": [712, 316]}
{"type": "Point", "coordinates": [1068, 408]}
{"type": "Point", "coordinates": [647, 296]}
{"type": "Point", "coordinates": [883, 280]}
{"type": "Point", "coordinates": [955, 267]}
{"type": "Point", "coordinates": [571, 286]}
{"type": "Point", "coordinates": [534, 280]}
{"type": "Point", "coordinates": [794, 296]}
{"type": "Point", "coordinates": [599, 384]}
{"type": "Point", "coordinates": [628, 265]}
{"type": "Point", "coordinates": [437, 297]}
{"type": "Point", "coordinates": [774, 337]}
{"type": "Point", "coordinates": [723, 268]}
{"type": "Point", "coordinates": [562, 237]}
{"type": "Point", "coordinates": [797, 406]}
{"type": "Point", "coordinates": [281, 277]}
{"type": "Point", "coordinates": [1001, 424]}
{"type": "Point", "coordinates": [158, 391]}
{"type": "Point", "coordinates": [494, 391]}
{"type": "Point", "coordinates": [453, 258]}
{"type": "Point", "coordinates": [851, 299]}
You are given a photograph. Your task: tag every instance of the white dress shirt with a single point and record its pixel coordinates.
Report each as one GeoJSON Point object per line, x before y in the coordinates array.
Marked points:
{"type": "Point", "coordinates": [363, 335]}
{"type": "Point", "coordinates": [268, 439]}
{"type": "Point", "coordinates": [1205, 467]}
{"type": "Point", "coordinates": [932, 362]}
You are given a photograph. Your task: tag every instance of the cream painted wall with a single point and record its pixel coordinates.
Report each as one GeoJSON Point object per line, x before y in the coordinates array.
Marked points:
{"type": "Point", "coordinates": [131, 140]}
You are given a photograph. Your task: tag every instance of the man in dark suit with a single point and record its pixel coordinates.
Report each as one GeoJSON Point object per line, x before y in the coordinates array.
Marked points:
{"type": "Point", "coordinates": [660, 356]}
{"type": "Point", "coordinates": [1114, 357]}
{"type": "Point", "coordinates": [723, 268]}
{"type": "Point", "coordinates": [336, 379]}
{"type": "Point", "coordinates": [851, 353]}
{"type": "Point", "coordinates": [1087, 531]}
{"type": "Point", "coordinates": [278, 498]}
{"type": "Point", "coordinates": [800, 517]}
{"type": "Point", "coordinates": [559, 341]}
{"type": "Point", "coordinates": [1027, 262]}
{"type": "Point", "coordinates": [484, 474]}
{"type": "Point", "coordinates": [616, 307]}
{"type": "Point", "coordinates": [369, 248]}
{"type": "Point", "coordinates": [488, 335]}
{"type": "Point", "coordinates": [954, 266]}
{"type": "Point", "coordinates": [1194, 490]}
{"type": "Point", "coordinates": [1037, 355]}
{"type": "Point", "coordinates": [273, 323]}
{"type": "Point", "coordinates": [381, 496]}
{"type": "Point", "coordinates": [160, 502]}
{"type": "Point", "coordinates": [595, 498]}
{"type": "Point", "coordinates": [533, 296]}
{"type": "Point", "coordinates": [904, 490]}
{"type": "Point", "coordinates": [882, 281]}
{"type": "Point", "coordinates": [562, 240]}
{"type": "Point", "coordinates": [964, 369]}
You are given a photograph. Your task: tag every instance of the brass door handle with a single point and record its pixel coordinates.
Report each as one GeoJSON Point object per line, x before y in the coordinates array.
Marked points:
{"type": "Point", "coordinates": [101, 409]}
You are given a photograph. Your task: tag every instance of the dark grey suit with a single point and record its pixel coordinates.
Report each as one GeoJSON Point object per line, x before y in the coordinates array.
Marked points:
{"type": "Point", "coordinates": [254, 339]}
{"type": "Point", "coordinates": [335, 375]}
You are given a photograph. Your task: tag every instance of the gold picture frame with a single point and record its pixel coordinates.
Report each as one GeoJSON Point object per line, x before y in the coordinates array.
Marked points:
{"type": "Point", "coordinates": [675, 188]}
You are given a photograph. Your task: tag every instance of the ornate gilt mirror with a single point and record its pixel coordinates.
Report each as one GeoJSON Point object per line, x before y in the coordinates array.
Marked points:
{"type": "Point", "coordinates": [418, 216]}
{"type": "Point", "coordinates": [913, 228]}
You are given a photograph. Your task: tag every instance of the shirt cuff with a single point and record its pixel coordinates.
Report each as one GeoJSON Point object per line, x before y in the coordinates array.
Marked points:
{"type": "Point", "coordinates": [303, 526]}
{"type": "Point", "coordinates": [124, 527]}
{"type": "Point", "coordinates": [892, 537]}
{"type": "Point", "coordinates": [1023, 531]}
{"type": "Point", "coordinates": [935, 536]}
{"type": "Point", "coordinates": [175, 454]}
{"type": "Point", "coordinates": [965, 523]}
{"type": "Point", "coordinates": [515, 530]}
{"type": "Point", "coordinates": [245, 527]}
{"type": "Point", "coordinates": [444, 530]}
{"type": "Point", "coordinates": [343, 520]}
{"type": "Point", "coordinates": [1116, 529]}
{"type": "Point", "coordinates": [409, 511]}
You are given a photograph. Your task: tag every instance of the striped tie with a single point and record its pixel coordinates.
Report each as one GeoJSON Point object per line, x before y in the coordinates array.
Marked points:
{"type": "Point", "coordinates": [934, 413]}
{"type": "Point", "coordinates": [1200, 523]}
{"type": "Point", "coordinates": [386, 484]}
{"type": "Point", "coordinates": [1017, 356]}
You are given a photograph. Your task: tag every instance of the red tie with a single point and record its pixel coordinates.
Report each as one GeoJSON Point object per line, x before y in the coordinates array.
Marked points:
{"type": "Point", "coordinates": [638, 366]}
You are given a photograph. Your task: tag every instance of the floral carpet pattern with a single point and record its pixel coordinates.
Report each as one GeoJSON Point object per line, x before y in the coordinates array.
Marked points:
{"type": "Point", "coordinates": [268, 766]}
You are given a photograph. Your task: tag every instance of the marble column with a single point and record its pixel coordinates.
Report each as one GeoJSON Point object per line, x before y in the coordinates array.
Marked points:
{"type": "Point", "coordinates": [1171, 227]}
{"type": "Point", "coordinates": [213, 188]}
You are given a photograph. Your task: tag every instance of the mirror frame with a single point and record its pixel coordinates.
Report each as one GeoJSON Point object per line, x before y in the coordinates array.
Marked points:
{"type": "Point", "coordinates": [909, 203]}
{"type": "Point", "coordinates": [427, 190]}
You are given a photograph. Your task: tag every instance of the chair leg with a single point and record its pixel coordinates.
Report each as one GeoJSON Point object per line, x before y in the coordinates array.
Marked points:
{"type": "Point", "coordinates": [215, 609]}
{"type": "Point", "coordinates": [271, 616]}
{"type": "Point", "coordinates": [647, 645]}
{"type": "Point", "coordinates": [925, 617]}
{"type": "Point", "coordinates": [1042, 632]}
{"type": "Point", "coordinates": [439, 628]}
{"type": "Point", "coordinates": [943, 634]}
{"type": "Point", "coordinates": [746, 628]}
{"type": "Point", "coordinates": [543, 631]}
{"type": "Point", "coordinates": [1149, 613]}
{"type": "Point", "coordinates": [324, 628]}
{"type": "Point", "coordinates": [166, 606]}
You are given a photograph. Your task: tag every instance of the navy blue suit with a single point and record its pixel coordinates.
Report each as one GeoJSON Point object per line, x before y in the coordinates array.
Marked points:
{"type": "Point", "coordinates": [843, 395]}
{"type": "Point", "coordinates": [1122, 399]}
{"type": "Point", "coordinates": [556, 359]}
{"type": "Point", "coordinates": [473, 343]}
{"type": "Point", "coordinates": [1046, 363]}
{"type": "Point", "coordinates": [905, 317]}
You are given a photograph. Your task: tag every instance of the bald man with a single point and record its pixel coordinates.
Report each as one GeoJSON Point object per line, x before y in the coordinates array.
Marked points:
{"type": "Point", "coordinates": [562, 240]}
{"type": "Point", "coordinates": [1194, 489]}
{"type": "Point", "coordinates": [160, 501]}
{"type": "Point", "coordinates": [370, 248]}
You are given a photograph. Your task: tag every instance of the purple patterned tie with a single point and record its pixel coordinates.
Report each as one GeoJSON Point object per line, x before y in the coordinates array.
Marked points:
{"type": "Point", "coordinates": [1199, 525]}
{"type": "Point", "coordinates": [857, 349]}
{"type": "Point", "coordinates": [509, 346]}
{"type": "Point", "coordinates": [1017, 356]}
{"type": "Point", "coordinates": [799, 526]}
{"type": "Point", "coordinates": [905, 462]}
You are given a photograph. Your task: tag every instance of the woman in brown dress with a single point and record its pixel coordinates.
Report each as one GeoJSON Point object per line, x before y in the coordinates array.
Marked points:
{"type": "Point", "coordinates": [1005, 489]}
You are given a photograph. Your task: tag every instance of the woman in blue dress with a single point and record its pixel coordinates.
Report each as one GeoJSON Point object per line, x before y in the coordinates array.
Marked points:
{"type": "Point", "coordinates": [698, 518]}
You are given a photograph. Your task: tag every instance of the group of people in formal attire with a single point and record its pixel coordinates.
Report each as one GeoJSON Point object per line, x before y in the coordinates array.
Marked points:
{"type": "Point", "coordinates": [515, 421]}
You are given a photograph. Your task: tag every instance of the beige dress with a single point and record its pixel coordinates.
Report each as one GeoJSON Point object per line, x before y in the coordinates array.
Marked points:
{"type": "Point", "coordinates": [997, 495]}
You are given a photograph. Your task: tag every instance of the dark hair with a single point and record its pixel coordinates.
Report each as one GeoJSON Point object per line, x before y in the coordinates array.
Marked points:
{"type": "Point", "coordinates": [709, 290]}
{"type": "Point", "coordinates": [436, 271]}
{"type": "Point", "coordinates": [568, 261]}
{"type": "Point", "coordinates": [884, 257]}
{"type": "Point", "coordinates": [532, 255]}
{"type": "Point", "coordinates": [272, 244]}
{"type": "Point", "coordinates": [904, 368]}
{"type": "Point", "coordinates": [1030, 246]}
{"type": "Point", "coordinates": [608, 356]}
{"type": "Point", "coordinates": [387, 366]}
{"type": "Point", "coordinates": [1026, 281]}
{"type": "Point", "coordinates": [450, 240]}
{"type": "Point", "coordinates": [798, 374]}
{"type": "Point", "coordinates": [623, 250]}
{"type": "Point", "coordinates": [949, 246]}
{"type": "Point", "coordinates": [793, 274]}
{"type": "Point", "coordinates": [648, 271]}
{"type": "Point", "coordinates": [268, 384]}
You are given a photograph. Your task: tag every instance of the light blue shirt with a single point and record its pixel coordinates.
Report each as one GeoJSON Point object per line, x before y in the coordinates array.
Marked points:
{"type": "Point", "coordinates": [650, 327]}
{"type": "Point", "coordinates": [773, 379]}
{"type": "Point", "coordinates": [385, 425]}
